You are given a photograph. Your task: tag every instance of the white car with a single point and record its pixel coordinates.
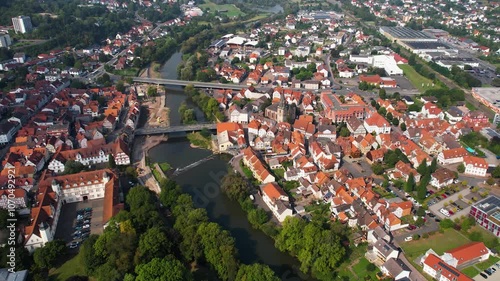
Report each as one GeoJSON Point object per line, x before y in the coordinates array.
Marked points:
{"type": "Point", "coordinates": [86, 226]}
{"type": "Point", "coordinates": [409, 238]}
{"type": "Point", "coordinates": [444, 212]}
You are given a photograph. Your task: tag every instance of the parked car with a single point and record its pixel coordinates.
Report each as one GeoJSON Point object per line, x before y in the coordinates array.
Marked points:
{"type": "Point", "coordinates": [409, 238]}
{"type": "Point", "coordinates": [493, 269]}
{"type": "Point", "coordinates": [488, 271]}
{"type": "Point", "coordinates": [444, 196]}
{"type": "Point", "coordinates": [497, 265]}
{"type": "Point", "coordinates": [437, 220]}
{"type": "Point", "coordinates": [451, 212]}
{"type": "Point", "coordinates": [86, 221]}
{"type": "Point", "coordinates": [85, 226]}
{"type": "Point", "coordinates": [78, 228]}
{"type": "Point", "coordinates": [431, 215]}
{"type": "Point", "coordinates": [73, 245]}
{"type": "Point", "coordinates": [412, 227]}
{"type": "Point", "coordinates": [483, 275]}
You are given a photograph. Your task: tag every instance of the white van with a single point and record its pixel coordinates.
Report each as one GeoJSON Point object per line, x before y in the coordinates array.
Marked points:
{"type": "Point", "coordinates": [444, 212]}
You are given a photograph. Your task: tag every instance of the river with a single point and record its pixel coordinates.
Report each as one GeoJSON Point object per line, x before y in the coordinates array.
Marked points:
{"type": "Point", "coordinates": [203, 184]}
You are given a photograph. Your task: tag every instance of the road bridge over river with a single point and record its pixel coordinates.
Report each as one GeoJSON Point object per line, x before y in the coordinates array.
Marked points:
{"type": "Point", "coordinates": [175, 129]}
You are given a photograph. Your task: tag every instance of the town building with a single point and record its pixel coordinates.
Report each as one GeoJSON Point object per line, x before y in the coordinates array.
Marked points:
{"type": "Point", "coordinates": [230, 136]}
{"type": "Point", "coordinates": [376, 123]}
{"type": "Point", "coordinates": [452, 156]}
{"type": "Point", "coordinates": [466, 255]}
{"type": "Point", "coordinates": [395, 269]}
{"type": "Point", "coordinates": [277, 200]}
{"type": "Point", "coordinates": [57, 191]}
{"type": "Point", "coordinates": [22, 24]}
{"type": "Point", "coordinates": [489, 97]}
{"type": "Point", "coordinates": [5, 40]}
{"type": "Point", "coordinates": [439, 270]}
{"type": "Point", "coordinates": [475, 166]}
{"type": "Point", "coordinates": [340, 110]}
{"type": "Point", "coordinates": [442, 177]}
{"type": "Point", "coordinates": [487, 214]}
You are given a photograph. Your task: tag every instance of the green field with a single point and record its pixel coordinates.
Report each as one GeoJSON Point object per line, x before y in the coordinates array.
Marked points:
{"type": "Point", "coordinates": [71, 267]}
{"type": "Point", "coordinates": [362, 272]}
{"type": "Point", "coordinates": [470, 271]}
{"type": "Point", "coordinates": [486, 264]}
{"type": "Point", "coordinates": [279, 173]}
{"type": "Point", "coordinates": [416, 79]}
{"type": "Point", "coordinates": [453, 239]}
{"type": "Point", "coordinates": [232, 10]}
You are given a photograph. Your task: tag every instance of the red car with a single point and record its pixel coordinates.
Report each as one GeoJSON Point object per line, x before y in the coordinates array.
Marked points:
{"type": "Point", "coordinates": [412, 227]}
{"type": "Point", "coordinates": [443, 195]}
{"type": "Point", "coordinates": [451, 212]}
{"type": "Point", "coordinates": [431, 191]}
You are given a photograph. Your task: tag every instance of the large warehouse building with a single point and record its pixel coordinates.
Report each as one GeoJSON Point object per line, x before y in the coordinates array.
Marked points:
{"type": "Point", "coordinates": [401, 34]}
{"type": "Point", "coordinates": [489, 97]}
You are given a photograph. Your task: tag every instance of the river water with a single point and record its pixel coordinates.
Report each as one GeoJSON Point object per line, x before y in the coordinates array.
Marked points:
{"type": "Point", "coordinates": [203, 184]}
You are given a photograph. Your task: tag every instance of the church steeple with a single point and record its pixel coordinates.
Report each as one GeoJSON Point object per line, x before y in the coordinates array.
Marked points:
{"type": "Point", "coordinates": [281, 111]}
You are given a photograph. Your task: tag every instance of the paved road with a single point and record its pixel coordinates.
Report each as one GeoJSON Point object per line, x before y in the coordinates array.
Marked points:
{"type": "Point", "coordinates": [494, 276]}
{"type": "Point", "coordinates": [430, 226]}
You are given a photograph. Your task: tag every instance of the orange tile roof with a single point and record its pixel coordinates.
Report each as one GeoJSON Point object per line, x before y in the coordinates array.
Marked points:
{"type": "Point", "coordinates": [454, 153]}
{"type": "Point", "coordinates": [228, 126]}
{"type": "Point", "coordinates": [448, 271]}
{"type": "Point", "coordinates": [476, 161]}
{"type": "Point", "coordinates": [273, 191]}
{"type": "Point", "coordinates": [468, 252]}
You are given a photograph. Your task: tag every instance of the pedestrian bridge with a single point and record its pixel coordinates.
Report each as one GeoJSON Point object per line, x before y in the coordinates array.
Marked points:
{"type": "Point", "coordinates": [175, 129]}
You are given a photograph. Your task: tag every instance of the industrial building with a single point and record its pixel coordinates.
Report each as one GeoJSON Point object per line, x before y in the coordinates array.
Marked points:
{"type": "Point", "coordinates": [490, 97]}
{"type": "Point", "coordinates": [400, 34]}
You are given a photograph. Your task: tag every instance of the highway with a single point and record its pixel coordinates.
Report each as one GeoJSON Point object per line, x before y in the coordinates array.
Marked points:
{"type": "Point", "coordinates": [175, 129]}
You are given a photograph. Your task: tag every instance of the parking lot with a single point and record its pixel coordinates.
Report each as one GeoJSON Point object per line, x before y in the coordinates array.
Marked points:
{"type": "Point", "coordinates": [494, 276]}
{"type": "Point", "coordinates": [67, 219]}
{"type": "Point", "coordinates": [454, 202]}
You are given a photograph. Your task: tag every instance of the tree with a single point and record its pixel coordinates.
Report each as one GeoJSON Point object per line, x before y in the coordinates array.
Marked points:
{"type": "Point", "coordinates": [403, 127]}
{"type": "Point", "coordinates": [446, 223]}
{"type": "Point", "coordinates": [131, 172]}
{"type": "Point", "coordinates": [256, 272]}
{"type": "Point", "coordinates": [120, 86]}
{"type": "Point", "coordinates": [467, 223]}
{"type": "Point", "coordinates": [167, 269]}
{"type": "Point", "coordinates": [422, 168]}
{"type": "Point", "coordinates": [235, 186]}
{"type": "Point", "coordinates": [410, 183]}
{"type": "Point", "coordinates": [153, 244]}
{"type": "Point", "coordinates": [461, 168]}
{"type": "Point", "coordinates": [89, 258]}
{"type": "Point", "coordinates": [257, 217]}
{"type": "Point", "coordinates": [344, 132]}
{"type": "Point", "coordinates": [421, 191]}
{"type": "Point", "coordinates": [78, 278]}
{"type": "Point", "coordinates": [4, 215]}
{"type": "Point", "coordinates": [111, 162]}
{"type": "Point", "coordinates": [433, 166]}
{"type": "Point", "coordinates": [139, 197]}
{"type": "Point", "coordinates": [395, 121]}
{"type": "Point", "coordinates": [47, 256]}
{"type": "Point", "coordinates": [382, 111]}
{"type": "Point", "coordinates": [170, 190]}
{"type": "Point", "coordinates": [219, 250]}
{"type": "Point", "coordinates": [73, 167]}
{"type": "Point", "coordinates": [377, 168]}
{"type": "Point", "coordinates": [496, 172]}
{"type": "Point", "coordinates": [370, 267]}
{"type": "Point", "coordinates": [152, 91]}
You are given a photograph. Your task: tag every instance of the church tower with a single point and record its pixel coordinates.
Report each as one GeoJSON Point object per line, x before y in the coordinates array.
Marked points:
{"type": "Point", "coordinates": [281, 111]}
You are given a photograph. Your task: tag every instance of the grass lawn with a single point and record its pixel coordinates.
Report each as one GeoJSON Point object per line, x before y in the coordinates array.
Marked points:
{"type": "Point", "coordinates": [470, 271]}
{"type": "Point", "coordinates": [415, 78]}
{"type": "Point", "coordinates": [383, 193]}
{"type": "Point", "coordinates": [248, 173]}
{"type": "Point", "coordinates": [279, 173]}
{"type": "Point", "coordinates": [487, 237]}
{"type": "Point", "coordinates": [486, 264]}
{"type": "Point", "coordinates": [71, 267]}
{"type": "Point", "coordinates": [470, 106]}
{"type": "Point", "coordinates": [231, 10]}
{"type": "Point", "coordinates": [197, 139]}
{"type": "Point", "coordinates": [165, 166]}
{"type": "Point", "coordinates": [360, 270]}
{"type": "Point", "coordinates": [132, 71]}
{"type": "Point", "coordinates": [453, 239]}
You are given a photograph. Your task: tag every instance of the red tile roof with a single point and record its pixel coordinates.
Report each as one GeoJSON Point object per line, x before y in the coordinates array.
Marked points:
{"type": "Point", "coordinates": [468, 252]}
{"type": "Point", "coordinates": [446, 270]}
